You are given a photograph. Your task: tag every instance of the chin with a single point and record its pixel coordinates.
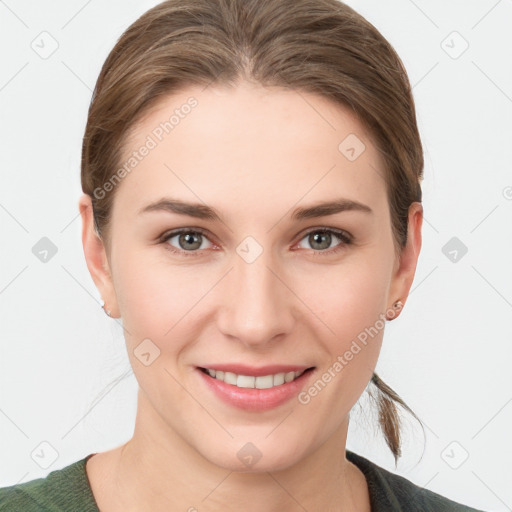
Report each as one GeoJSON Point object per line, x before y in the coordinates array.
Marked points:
{"type": "Point", "coordinates": [255, 457]}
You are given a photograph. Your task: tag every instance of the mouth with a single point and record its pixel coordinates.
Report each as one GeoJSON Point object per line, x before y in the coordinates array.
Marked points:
{"type": "Point", "coordinates": [255, 389]}
{"type": "Point", "coordinates": [252, 381]}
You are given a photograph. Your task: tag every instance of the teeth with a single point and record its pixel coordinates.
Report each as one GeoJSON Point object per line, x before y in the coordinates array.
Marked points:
{"type": "Point", "coordinates": [248, 381]}
{"type": "Point", "coordinates": [264, 382]}
{"type": "Point", "coordinates": [229, 378]}
{"type": "Point", "coordinates": [289, 376]}
{"type": "Point", "coordinates": [278, 379]}
{"type": "Point", "coordinates": [244, 381]}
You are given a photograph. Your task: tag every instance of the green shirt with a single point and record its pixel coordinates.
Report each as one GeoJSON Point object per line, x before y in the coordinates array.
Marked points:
{"type": "Point", "coordinates": [68, 490]}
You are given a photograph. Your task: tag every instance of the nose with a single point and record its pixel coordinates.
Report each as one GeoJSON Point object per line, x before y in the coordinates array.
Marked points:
{"type": "Point", "coordinates": [255, 306]}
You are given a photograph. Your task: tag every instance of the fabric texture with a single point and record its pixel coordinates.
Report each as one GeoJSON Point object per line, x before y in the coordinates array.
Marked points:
{"type": "Point", "coordinates": [68, 490]}
{"type": "Point", "coordinates": [62, 490]}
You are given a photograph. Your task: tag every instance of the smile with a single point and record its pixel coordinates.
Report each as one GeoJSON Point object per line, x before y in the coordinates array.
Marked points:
{"type": "Point", "coordinates": [251, 381]}
{"type": "Point", "coordinates": [255, 389]}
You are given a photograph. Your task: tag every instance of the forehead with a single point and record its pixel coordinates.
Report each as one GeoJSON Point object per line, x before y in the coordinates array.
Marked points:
{"type": "Point", "coordinates": [249, 146]}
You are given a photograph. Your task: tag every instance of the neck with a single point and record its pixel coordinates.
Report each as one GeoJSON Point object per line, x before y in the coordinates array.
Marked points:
{"type": "Point", "coordinates": [157, 470]}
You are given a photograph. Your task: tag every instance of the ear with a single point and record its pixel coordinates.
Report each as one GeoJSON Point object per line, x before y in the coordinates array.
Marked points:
{"type": "Point", "coordinates": [96, 256]}
{"type": "Point", "coordinates": [405, 266]}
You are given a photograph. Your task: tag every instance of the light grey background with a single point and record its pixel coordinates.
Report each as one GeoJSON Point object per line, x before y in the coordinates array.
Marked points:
{"type": "Point", "coordinates": [449, 353]}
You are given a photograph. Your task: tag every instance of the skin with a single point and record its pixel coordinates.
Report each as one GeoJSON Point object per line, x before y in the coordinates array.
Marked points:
{"type": "Point", "coordinates": [254, 154]}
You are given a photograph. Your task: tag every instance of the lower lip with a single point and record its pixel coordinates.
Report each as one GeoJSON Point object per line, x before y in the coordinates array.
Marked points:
{"type": "Point", "coordinates": [251, 399]}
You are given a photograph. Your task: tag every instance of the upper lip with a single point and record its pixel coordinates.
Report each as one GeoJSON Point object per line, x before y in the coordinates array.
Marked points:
{"type": "Point", "coordinates": [243, 369]}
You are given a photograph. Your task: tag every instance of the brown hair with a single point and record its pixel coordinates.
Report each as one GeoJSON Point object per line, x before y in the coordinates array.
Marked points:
{"type": "Point", "coordinates": [318, 46]}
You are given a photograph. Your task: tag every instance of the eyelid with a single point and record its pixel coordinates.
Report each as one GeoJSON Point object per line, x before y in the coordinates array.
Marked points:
{"type": "Point", "coordinates": [165, 237]}
{"type": "Point", "coordinates": [345, 238]}
{"type": "Point", "coordinates": [340, 233]}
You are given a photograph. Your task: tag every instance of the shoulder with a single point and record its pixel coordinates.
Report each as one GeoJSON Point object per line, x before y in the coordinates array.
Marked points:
{"type": "Point", "coordinates": [389, 491]}
{"type": "Point", "coordinates": [14, 498]}
{"type": "Point", "coordinates": [59, 491]}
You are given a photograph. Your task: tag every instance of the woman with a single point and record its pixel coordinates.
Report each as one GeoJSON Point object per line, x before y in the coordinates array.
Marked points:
{"type": "Point", "coordinates": [252, 212]}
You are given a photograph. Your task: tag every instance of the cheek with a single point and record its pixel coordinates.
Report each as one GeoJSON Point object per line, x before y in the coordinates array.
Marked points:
{"type": "Point", "coordinates": [150, 299]}
{"type": "Point", "coordinates": [161, 301]}
{"type": "Point", "coordinates": [154, 299]}
{"type": "Point", "coordinates": [353, 307]}
{"type": "Point", "coordinates": [352, 304]}
{"type": "Point", "coordinates": [349, 297]}
{"type": "Point", "coordinates": [150, 294]}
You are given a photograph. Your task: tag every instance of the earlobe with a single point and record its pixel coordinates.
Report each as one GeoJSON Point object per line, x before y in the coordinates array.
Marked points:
{"type": "Point", "coordinates": [395, 310]}
{"type": "Point", "coordinates": [96, 258]}
{"type": "Point", "coordinates": [404, 274]}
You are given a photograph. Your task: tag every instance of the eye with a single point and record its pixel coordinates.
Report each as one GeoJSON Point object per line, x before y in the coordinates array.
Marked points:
{"type": "Point", "coordinates": [320, 240]}
{"type": "Point", "coordinates": [189, 241]}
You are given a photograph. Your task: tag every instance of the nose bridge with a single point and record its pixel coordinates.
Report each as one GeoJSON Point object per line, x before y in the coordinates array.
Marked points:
{"type": "Point", "coordinates": [256, 308]}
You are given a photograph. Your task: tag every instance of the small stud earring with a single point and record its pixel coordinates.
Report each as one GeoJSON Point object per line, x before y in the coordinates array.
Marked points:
{"type": "Point", "coordinates": [397, 306]}
{"type": "Point", "coordinates": [106, 310]}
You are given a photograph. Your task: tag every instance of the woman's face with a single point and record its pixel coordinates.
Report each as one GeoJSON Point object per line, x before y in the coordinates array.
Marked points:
{"type": "Point", "coordinates": [252, 287]}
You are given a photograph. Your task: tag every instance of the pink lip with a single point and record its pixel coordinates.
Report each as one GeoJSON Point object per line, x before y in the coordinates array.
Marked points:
{"type": "Point", "coordinates": [250, 399]}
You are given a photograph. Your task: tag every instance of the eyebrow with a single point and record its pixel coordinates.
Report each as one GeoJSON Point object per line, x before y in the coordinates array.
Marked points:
{"type": "Point", "coordinates": [201, 211]}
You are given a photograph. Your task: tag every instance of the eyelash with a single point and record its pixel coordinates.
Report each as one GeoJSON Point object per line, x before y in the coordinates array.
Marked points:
{"type": "Point", "coordinates": [345, 238]}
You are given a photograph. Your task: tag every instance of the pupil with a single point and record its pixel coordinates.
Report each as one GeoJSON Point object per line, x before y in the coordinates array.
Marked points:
{"type": "Point", "coordinates": [317, 238]}
{"type": "Point", "coordinates": [189, 239]}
